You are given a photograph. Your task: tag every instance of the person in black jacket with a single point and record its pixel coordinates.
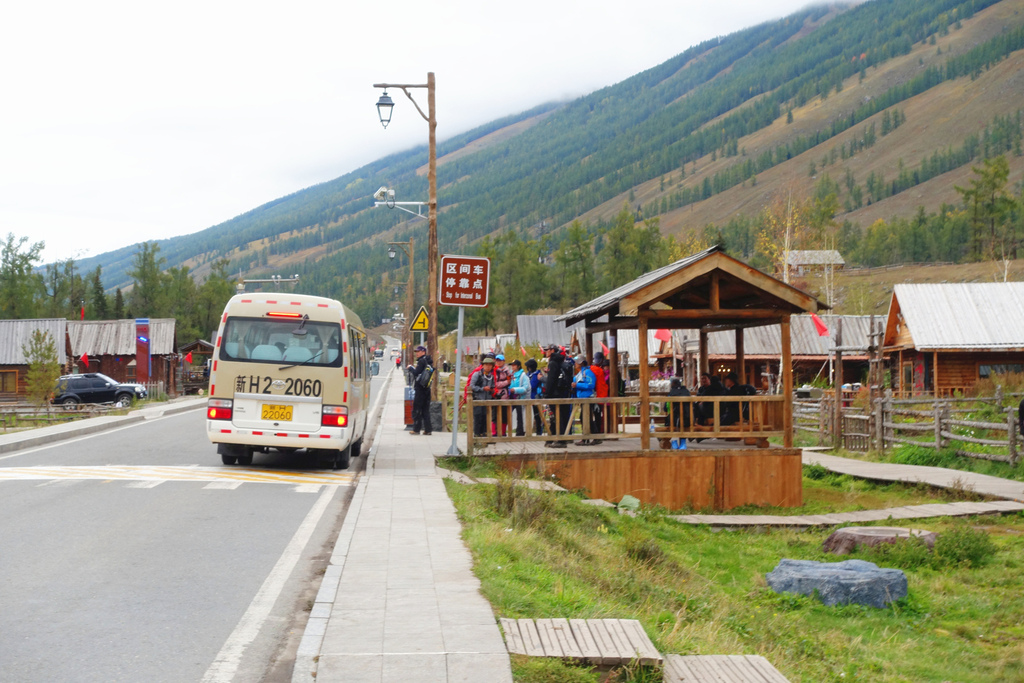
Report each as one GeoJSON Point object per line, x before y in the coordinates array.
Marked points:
{"type": "Point", "coordinates": [555, 388]}
{"type": "Point", "coordinates": [421, 399]}
{"type": "Point", "coordinates": [709, 386]}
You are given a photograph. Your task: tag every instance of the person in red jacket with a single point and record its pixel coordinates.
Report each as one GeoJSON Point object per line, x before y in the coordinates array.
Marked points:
{"type": "Point", "coordinates": [597, 410]}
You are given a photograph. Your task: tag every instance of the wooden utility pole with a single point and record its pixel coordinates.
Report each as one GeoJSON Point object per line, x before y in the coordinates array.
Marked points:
{"type": "Point", "coordinates": [837, 431]}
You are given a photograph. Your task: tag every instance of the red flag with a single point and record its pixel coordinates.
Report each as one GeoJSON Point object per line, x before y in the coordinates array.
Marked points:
{"type": "Point", "coordinates": [85, 359]}
{"type": "Point", "coordinates": [188, 357]}
{"type": "Point", "coordinates": [83, 311]}
{"type": "Point", "coordinates": [663, 335]}
{"type": "Point", "coordinates": [604, 349]}
{"type": "Point", "coordinates": [819, 325]}
{"type": "Point", "coordinates": [523, 350]}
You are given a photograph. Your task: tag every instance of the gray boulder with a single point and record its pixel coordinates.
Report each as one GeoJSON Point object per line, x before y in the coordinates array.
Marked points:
{"type": "Point", "coordinates": [839, 583]}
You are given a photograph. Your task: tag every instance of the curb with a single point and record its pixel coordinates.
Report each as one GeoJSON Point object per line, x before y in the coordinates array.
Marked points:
{"type": "Point", "coordinates": [71, 430]}
{"type": "Point", "coordinates": [308, 654]}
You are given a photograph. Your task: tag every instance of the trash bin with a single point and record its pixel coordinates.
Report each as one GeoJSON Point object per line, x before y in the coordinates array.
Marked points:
{"type": "Point", "coordinates": [410, 394]}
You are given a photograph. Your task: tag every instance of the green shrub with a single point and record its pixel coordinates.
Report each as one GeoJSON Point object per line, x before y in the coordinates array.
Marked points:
{"type": "Point", "coordinates": [963, 546]}
{"type": "Point", "coordinates": [522, 506]}
{"type": "Point", "coordinates": [904, 553]}
{"type": "Point", "coordinates": [960, 546]}
{"type": "Point", "coordinates": [643, 549]}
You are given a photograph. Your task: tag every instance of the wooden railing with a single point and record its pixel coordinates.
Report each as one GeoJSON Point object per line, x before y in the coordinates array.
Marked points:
{"type": "Point", "coordinates": [690, 417]}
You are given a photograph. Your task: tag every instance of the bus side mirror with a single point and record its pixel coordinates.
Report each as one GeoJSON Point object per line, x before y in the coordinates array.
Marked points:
{"type": "Point", "coordinates": [374, 368]}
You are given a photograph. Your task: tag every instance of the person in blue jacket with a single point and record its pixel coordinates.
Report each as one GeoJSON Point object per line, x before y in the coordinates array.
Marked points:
{"type": "Point", "coordinates": [584, 383]}
{"type": "Point", "coordinates": [536, 391]}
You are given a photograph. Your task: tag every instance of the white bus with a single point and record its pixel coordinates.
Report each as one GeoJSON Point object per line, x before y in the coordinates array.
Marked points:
{"type": "Point", "coordinates": [289, 372]}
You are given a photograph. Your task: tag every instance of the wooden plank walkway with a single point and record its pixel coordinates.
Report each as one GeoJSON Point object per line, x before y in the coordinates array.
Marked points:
{"type": "Point", "coordinates": [600, 642]}
{"type": "Point", "coordinates": [721, 669]}
{"type": "Point", "coordinates": [935, 476]}
{"type": "Point", "coordinates": [907, 512]}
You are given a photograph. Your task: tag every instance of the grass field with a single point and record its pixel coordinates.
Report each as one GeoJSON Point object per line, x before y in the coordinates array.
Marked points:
{"type": "Point", "coordinates": [702, 591]}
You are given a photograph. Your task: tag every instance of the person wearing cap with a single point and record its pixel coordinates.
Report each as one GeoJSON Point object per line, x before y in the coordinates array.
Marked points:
{"type": "Point", "coordinates": [555, 389]}
{"type": "Point", "coordinates": [421, 396]}
{"type": "Point", "coordinates": [481, 383]}
{"type": "Point", "coordinates": [502, 382]}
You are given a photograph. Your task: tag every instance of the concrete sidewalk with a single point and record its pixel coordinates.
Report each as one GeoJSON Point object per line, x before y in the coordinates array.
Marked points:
{"type": "Point", "coordinates": [399, 601]}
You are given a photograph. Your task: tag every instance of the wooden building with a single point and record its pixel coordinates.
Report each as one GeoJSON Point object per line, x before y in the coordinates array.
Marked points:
{"type": "Point", "coordinates": [943, 338]}
{"type": "Point", "coordinates": [14, 336]}
{"type": "Point", "coordinates": [708, 291]}
{"type": "Point", "coordinates": [112, 347]}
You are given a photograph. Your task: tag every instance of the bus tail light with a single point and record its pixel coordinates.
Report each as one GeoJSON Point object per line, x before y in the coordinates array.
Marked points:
{"type": "Point", "coordinates": [334, 416]}
{"type": "Point", "coordinates": [218, 409]}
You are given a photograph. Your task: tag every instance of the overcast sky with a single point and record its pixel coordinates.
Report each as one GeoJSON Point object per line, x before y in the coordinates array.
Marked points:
{"type": "Point", "coordinates": [124, 122]}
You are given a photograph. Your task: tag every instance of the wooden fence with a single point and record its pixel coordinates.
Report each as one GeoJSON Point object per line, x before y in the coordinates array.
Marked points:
{"type": "Point", "coordinates": [925, 422]}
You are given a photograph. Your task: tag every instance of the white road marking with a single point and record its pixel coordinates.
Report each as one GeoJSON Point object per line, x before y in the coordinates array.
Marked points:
{"type": "Point", "coordinates": [142, 484]}
{"type": "Point", "coordinates": [229, 485]}
{"type": "Point", "coordinates": [307, 488]}
{"type": "Point", "coordinates": [189, 473]}
{"type": "Point", "coordinates": [225, 665]}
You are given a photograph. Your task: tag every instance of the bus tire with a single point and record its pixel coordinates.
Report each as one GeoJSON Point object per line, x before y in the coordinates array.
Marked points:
{"type": "Point", "coordinates": [228, 459]}
{"type": "Point", "coordinates": [344, 457]}
{"type": "Point", "coordinates": [246, 459]}
{"type": "Point", "coordinates": [357, 448]}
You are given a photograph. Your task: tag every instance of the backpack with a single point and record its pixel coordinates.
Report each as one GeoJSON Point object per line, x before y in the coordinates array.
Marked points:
{"type": "Point", "coordinates": [425, 377]}
{"type": "Point", "coordinates": [568, 371]}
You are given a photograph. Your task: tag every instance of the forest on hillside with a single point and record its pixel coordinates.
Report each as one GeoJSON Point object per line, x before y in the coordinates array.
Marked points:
{"type": "Point", "coordinates": [520, 199]}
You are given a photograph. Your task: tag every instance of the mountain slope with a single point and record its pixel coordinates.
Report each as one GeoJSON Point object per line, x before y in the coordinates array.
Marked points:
{"type": "Point", "coordinates": [699, 139]}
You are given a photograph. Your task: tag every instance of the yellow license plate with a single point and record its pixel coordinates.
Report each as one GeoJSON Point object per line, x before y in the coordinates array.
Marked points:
{"type": "Point", "coordinates": [276, 413]}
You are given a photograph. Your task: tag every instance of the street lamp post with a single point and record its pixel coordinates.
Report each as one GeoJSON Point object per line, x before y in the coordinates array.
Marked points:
{"type": "Point", "coordinates": [384, 109]}
{"type": "Point", "coordinates": [410, 294]}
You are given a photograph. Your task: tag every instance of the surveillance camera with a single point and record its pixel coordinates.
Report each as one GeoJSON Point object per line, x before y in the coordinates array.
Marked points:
{"type": "Point", "coordinates": [391, 195]}
{"type": "Point", "coordinates": [380, 194]}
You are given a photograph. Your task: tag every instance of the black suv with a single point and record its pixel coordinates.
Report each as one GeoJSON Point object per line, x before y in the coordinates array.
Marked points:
{"type": "Point", "coordinates": [95, 387]}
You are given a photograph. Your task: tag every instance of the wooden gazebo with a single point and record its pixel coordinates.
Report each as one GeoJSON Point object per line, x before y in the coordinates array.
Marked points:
{"type": "Point", "coordinates": [708, 291]}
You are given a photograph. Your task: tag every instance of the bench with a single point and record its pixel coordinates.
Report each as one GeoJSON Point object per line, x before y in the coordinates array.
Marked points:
{"type": "Point", "coordinates": [599, 642]}
{"type": "Point", "coordinates": [721, 669]}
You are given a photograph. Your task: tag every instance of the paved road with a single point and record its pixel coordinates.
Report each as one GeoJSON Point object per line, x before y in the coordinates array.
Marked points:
{"type": "Point", "coordinates": [133, 555]}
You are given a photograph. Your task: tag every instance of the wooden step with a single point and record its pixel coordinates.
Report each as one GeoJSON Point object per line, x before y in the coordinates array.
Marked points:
{"type": "Point", "coordinates": [601, 642]}
{"type": "Point", "coordinates": [720, 669]}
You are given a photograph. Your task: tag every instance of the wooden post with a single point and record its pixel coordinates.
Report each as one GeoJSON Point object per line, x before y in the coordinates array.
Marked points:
{"type": "Point", "coordinates": [935, 373]}
{"type": "Point", "coordinates": [1011, 434]}
{"type": "Point", "coordinates": [588, 350]}
{"type": "Point", "coordinates": [612, 414]}
{"type": "Point", "coordinates": [645, 389]}
{"type": "Point", "coordinates": [469, 423]}
{"type": "Point", "coordinates": [887, 412]}
{"type": "Point", "coordinates": [702, 352]}
{"type": "Point", "coordinates": [937, 412]}
{"type": "Point", "coordinates": [739, 356]}
{"type": "Point", "coordinates": [837, 426]}
{"type": "Point", "coordinates": [787, 384]}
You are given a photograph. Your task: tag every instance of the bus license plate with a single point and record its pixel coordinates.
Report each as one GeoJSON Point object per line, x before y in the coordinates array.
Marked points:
{"type": "Point", "coordinates": [276, 413]}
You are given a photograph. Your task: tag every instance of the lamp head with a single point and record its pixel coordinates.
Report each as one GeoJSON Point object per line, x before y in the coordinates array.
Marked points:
{"type": "Point", "coordinates": [384, 107]}
{"type": "Point", "coordinates": [391, 252]}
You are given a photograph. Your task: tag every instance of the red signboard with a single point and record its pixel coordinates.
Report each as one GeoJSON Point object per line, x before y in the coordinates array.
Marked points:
{"type": "Point", "coordinates": [465, 281]}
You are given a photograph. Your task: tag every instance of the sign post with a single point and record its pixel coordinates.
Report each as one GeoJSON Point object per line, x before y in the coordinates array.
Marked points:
{"type": "Point", "coordinates": [465, 281]}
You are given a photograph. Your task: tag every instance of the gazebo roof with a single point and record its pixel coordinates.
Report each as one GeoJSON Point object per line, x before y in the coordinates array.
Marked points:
{"type": "Point", "coordinates": [709, 287]}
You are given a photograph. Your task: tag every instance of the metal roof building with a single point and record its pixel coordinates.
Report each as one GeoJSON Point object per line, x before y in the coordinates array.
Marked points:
{"type": "Point", "coordinates": [766, 342]}
{"type": "Point", "coordinates": [14, 334]}
{"type": "Point", "coordinates": [544, 330]}
{"type": "Point", "coordinates": [822, 257]}
{"type": "Point", "coordinates": [977, 316]}
{"type": "Point", "coordinates": [117, 337]}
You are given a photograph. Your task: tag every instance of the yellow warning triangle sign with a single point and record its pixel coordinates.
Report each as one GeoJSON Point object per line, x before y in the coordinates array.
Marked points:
{"type": "Point", "coordinates": [421, 323]}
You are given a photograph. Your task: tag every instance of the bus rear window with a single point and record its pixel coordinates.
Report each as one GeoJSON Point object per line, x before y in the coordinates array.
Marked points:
{"type": "Point", "coordinates": [281, 340]}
